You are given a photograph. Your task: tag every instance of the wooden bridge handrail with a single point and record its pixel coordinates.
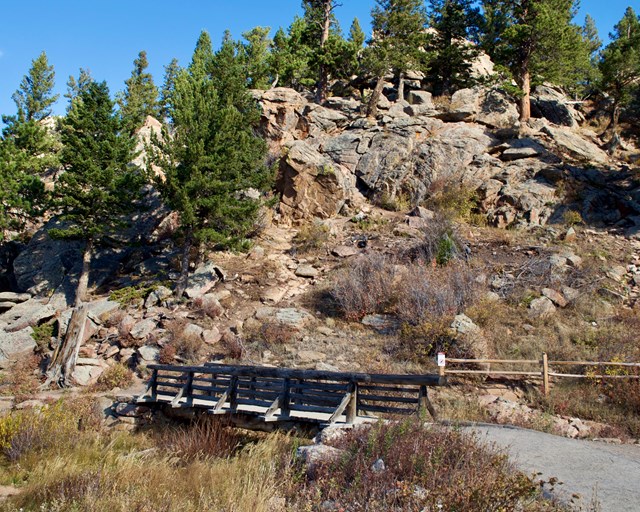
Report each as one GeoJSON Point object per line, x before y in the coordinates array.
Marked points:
{"type": "Point", "coordinates": [267, 371]}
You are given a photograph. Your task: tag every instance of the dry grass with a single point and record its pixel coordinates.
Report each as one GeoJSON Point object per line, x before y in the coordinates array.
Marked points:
{"type": "Point", "coordinates": [425, 469]}
{"type": "Point", "coordinates": [22, 380]}
{"type": "Point", "coordinates": [188, 346]}
{"type": "Point", "coordinates": [365, 286]}
{"type": "Point", "coordinates": [118, 375]}
{"type": "Point", "coordinates": [431, 293]}
{"type": "Point", "coordinates": [311, 237]}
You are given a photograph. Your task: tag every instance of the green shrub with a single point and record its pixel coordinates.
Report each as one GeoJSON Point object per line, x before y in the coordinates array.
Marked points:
{"type": "Point", "coordinates": [116, 376]}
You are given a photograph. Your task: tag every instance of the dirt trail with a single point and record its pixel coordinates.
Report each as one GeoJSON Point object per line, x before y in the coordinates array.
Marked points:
{"type": "Point", "coordinates": [610, 471]}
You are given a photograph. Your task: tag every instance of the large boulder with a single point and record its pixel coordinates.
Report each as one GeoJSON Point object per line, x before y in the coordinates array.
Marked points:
{"type": "Point", "coordinates": [281, 112]}
{"type": "Point", "coordinates": [553, 105]}
{"type": "Point", "coordinates": [491, 107]}
{"type": "Point", "coordinates": [14, 345]}
{"type": "Point", "coordinates": [576, 146]}
{"type": "Point", "coordinates": [413, 159]}
{"type": "Point", "coordinates": [312, 184]}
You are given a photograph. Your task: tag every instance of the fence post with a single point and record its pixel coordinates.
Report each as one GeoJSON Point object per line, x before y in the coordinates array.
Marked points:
{"type": "Point", "coordinates": [545, 374]}
{"type": "Point", "coordinates": [352, 407]}
{"type": "Point", "coordinates": [442, 362]}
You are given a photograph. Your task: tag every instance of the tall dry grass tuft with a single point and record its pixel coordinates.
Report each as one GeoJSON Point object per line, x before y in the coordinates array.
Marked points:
{"type": "Point", "coordinates": [430, 293]}
{"type": "Point", "coordinates": [205, 438]}
{"type": "Point", "coordinates": [365, 286]}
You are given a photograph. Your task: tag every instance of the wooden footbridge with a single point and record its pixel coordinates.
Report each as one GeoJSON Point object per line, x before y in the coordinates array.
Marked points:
{"type": "Point", "coordinates": [279, 395]}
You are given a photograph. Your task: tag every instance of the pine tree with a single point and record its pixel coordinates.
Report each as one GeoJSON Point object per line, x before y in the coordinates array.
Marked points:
{"type": "Point", "coordinates": [35, 97]}
{"type": "Point", "coordinates": [96, 190]}
{"type": "Point", "coordinates": [171, 71]}
{"type": "Point", "coordinates": [320, 19]}
{"type": "Point", "coordinates": [140, 97]}
{"type": "Point", "coordinates": [202, 58]}
{"type": "Point", "coordinates": [97, 187]}
{"type": "Point", "coordinates": [214, 155]}
{"type": "Point", "coordinates": [75, 87]}
{"type": "Point", "coordinates": [620, 65]}
{"type": "Point", "coordinates": [22, 195]}
{"type": "Point", "coordinates": [255, 57]}
{"type": "Point", "coordinates": [397, 43]}
{"type": "Point", "coordinates": [290, 58]}
{"type": "Point", "coordinates": [452, 54]}
{"type": "Point", "coordinates": [536, 40]}
{"type": "Point", "coordinates": [30, 131]}
{"type": "Point", "coordinates": [356, 35]}
{"type": "Point", "coordinates": [591, 37]}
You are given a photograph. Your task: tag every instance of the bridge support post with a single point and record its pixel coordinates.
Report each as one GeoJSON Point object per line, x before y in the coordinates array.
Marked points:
{"type": "Point", "coordinates": [286, 398]}
{"type": "Point", "coordinates": [425, 403]}
{"type": "Point", "coordinates": [233, 394]}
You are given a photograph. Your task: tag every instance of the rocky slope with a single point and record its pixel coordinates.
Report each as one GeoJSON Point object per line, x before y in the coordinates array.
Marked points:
{"type": "Point", "coordinates": [335, 168]}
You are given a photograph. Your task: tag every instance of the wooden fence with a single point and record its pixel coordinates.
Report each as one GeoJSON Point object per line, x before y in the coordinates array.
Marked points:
{"type": "Point", "coordinates": [284, 394]}
{"type": "Point", "coordinates": [612, 369]}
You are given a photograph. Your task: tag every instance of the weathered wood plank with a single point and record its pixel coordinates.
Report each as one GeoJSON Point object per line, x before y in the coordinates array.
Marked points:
{"type": "Point", "coordinates": [386, 409]}
{"type": "Point", "coordinates": [263, 371]}
{"type": "Point", "coordinates": [341, 407]}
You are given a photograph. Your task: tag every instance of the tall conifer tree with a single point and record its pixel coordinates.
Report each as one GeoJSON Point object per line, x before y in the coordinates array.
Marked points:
{"type": "Point", "coordinates": [397, 43]}
{"type": "Point", "coordinates": [536, 40]}
{"type": "Point", "coordinates": [454, 22]}
{"type": "Point", "coordinates": [214, 155]}
{"type": "Point", "coordinates": [98, 187]}
{"type": "Point", "coordinates": [620, 65]}
{"type": "Point", "coordinates": [140, 97]}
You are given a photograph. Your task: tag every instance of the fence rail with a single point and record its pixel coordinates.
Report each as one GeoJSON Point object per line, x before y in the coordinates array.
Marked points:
{"type": "Point", "coordinates": [288, 394]}
{"type": "Point", "coordinates": [545, 372]}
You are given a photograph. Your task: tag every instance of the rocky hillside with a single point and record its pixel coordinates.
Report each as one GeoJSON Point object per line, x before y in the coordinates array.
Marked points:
{"type": "Point", "coordinates": [544, 222]}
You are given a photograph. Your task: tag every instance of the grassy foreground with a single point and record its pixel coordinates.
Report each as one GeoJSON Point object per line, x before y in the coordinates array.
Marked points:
{"type": "Point", "coordinates": [61, 458]}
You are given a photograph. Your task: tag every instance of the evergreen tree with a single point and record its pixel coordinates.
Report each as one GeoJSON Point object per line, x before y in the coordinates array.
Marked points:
{"type": "Point", "coordinates": [290, 58]}
{"type": "Point", "coordinates": [320, 19]}
{"type": "Point", "coordinates": [171, 71]}
{"type": "Point", "coordinates": [356, 35]}
{"type": "Point", "coordinates": [75, 87]}
{"type": "Point", "coordinates": [22, 195]}
{"type": "Point", "coordinates": [536, 40]}
{"type": "Point", "coordinates": [397, 43]}
{"type": "Point", "coordinates": [214, 155]}
{"type": "Point", "coordinates": [452, 54]}
{"type": "Point", "coordinates": [591, 37]}
{"type": "Point", "coordinates": [620, 65]}
{"type": "Point", "coordinates": [202, 58]}
{"type": "Point", "coordinates": [255, 57]}
{"type": "Point", "coordinates": [35, 97]}
{"type": "Point", "coordinates": [98, 187]}
{"type": "Point", "coordinates": [140, 97]}
{"type": "Point", "coordinates": [30, 131]}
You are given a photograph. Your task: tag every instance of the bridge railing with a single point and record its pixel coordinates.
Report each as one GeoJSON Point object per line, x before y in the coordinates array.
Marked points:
{"type": "Point", "coordinates": [278, 393]}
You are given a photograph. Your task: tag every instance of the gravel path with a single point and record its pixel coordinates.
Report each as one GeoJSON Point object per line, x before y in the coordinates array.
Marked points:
{"type": "Point", "coordinates": [584, 467]}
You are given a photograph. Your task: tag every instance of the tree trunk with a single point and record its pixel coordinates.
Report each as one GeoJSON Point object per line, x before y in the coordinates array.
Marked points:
{"type": "Point", "coordinates": [372, 108]}
{"type": "Point", "coordinates": [400, 86]}
{"type": "Point", "coordinates": [65, 356]}
{"type": "Point", "coordinates": [83, 281]}
{"type": "Point", "coordinates": [184, 268]}
{"type": "Point", "coordinates": [525, 101]}
{"type": "Point", "coordinates": [323, 79]}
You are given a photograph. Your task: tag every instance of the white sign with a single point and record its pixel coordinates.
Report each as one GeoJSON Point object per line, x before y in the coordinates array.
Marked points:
{"type": "Point", "coordinates": [441, 359]}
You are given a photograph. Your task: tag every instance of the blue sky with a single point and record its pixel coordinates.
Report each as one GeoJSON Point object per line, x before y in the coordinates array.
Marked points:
{"type": "Point", "coordinates": [106, 35]}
